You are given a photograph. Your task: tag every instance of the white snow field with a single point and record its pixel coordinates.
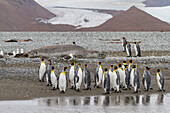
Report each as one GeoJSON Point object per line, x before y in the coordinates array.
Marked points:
{"type": "Point", "coordinates": [69, 11]}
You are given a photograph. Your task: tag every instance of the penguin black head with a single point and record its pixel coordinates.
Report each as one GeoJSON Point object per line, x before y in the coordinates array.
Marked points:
{"type": "Point", "coordinates": [120, 65]}
{"type": "Point", "coordinates": [72, 64]}
{"type": "Point", "coordinates": [99, 63]}
{"type": "Point", "coordinates": [124, 38]}
{"type": "Point", "coordinates": [49, 61]}
{"type": "Point", "coordinates": [135, 42]}
{"type": "Point", "coordinates": [131, 61]}
{"type": "Point", "coordinates": [79, 64]}
{"type": "Point", "coordinates": [124, 61]}
{"type": "Point", "coordinates": [126, 66]}
{"type": "Point", "coordinates": [158, 70]}
{"type": "Point", "coordinates": [134, 66]}
{"type": "Point", "coordinates": [74, 43]}
{"type": "Point", "coordinates": [111, 66]}
{"type": "Point", "coordinates": [42, 59]}
{"type": "Point", "coordinates": [115, 67]}
{"type": "Point", "coordinates": [85, 65]}
{"type": "Point", "coordinates": [105, 69]}
{"type": "Point", "coordinates": [65, 68]}
{"type": "Point", "coordinates": [52, 67]}
{"type": "Point", "coordinates": [148, 68]}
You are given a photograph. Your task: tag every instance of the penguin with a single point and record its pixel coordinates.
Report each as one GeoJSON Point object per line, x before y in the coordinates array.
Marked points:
{"type": "Point", "coordinates": [116, 80]}
{"type": "Point", "coordinates": [124, 63]}
{"type": "Point", "coordinates": [112, 77]}
{"type": "Point", "coordinates": [137, 49]}
{"type": "Point", "coordinates": [146, 80]}
{"type": "Point", "coordinates": [127, 77]}
{"type": "Point", "coordinates": [128, 49]}
{"type": "Point", "coordinates": [106, 81]}
{"type": "Point", "coordinates": [121, 74]}
{"type": "Point", "coordinates": [160, 80]}
{"type": "Point", "coordinates": [2, 53]}
{"type": "Point", "coordinates": [17, 51]}
{"type": "Point", "coordinates": [42, 70]}
{"type": "Point", "coordinates": [74, 43]}
{"type": "Point", "coordinates": [87, 78]}
{"type": "Point", "coordinates": [53, 78]}
{"type": "Point", "coordinates": [130, 65]}
{"type": "Point", "coordinates": [72, 75]}
{"type": "Point", "coordinates": [124, 44]}
{"type": "Point", "coordinates": [78, 78]}
{"type": "Point", "coordinates": [48, 73]}
{"type": "Point", "coordinates": [136, 80]}
{"type": "Point", "coordinates": [132, 76]}
{"type": "Point", "coordinates": [14, 53]}
{"type": "Point", "coordinates": [22, 51]}
{"type": "Point", "coordinates": [62, 81]}
{"type": "Point", "coordinates": [98, 75]}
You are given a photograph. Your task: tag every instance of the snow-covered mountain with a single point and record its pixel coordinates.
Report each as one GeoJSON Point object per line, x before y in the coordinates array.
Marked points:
{"type": "Point", "coordinates": [74, 12]}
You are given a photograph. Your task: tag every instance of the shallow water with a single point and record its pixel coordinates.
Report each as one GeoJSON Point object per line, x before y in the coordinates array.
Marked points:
{"type": "Point", "coordinates": [90, 104]}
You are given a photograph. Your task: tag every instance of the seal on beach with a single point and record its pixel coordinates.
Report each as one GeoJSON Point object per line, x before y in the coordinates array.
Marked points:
{"type": "Point", "coordinates": [62, 81]}
{"type": "Point", "coordinates": [42, 70]}
{"type": "Point", "coordinates": [98, 75]}
{"type": "Point", "coordinates": [72, 75]}
{"type": "Point", "coordinates": [146, 80]}
{"type": "Point", "coordinates": [78, 78]}
{"type": "Point", "coordinates": [53, 78]}
{"type": "Point", "coordinates": [106, 81]}
{"type": "Point", "coordinates": [128, 49]}
{"type": "Point", "coordinates": [137, 49]}
{"type": "Point", "coordinates": [64, 50]}
{"type": "Point", "coordinates": [160, 80]}
{"type": "Point", "coordinates": [87, 78]}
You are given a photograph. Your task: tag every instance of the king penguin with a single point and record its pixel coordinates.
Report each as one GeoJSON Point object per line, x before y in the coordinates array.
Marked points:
{"type": "Point", "coordinates": [124, 63]}
{"type": "Point", "coordinates": [137, 49]}
{"type": "Point", "coordinates": [106, 83]}
{"type": "Point", "coordinates": [42, 70]}
{"type": "Point", "coordinates": [72, 75]}
{"type": "Point", "coordinates": [128, 49]}
{"type": "Point", "coordinates": [87, 78]}
{"type": "Point", "coordinates": [78, 78]}
{"type": "Point", "coordinates": [160, 80]}
{"type": "Point", "coordinates": [116, 80]}
{"type": "Point", "coordinates": [130, 65]}
{"type": "Point", "coordinates": [98, 75]}
{"type": "Point", "coordinates": [53, 78]}
{"type": "Point", "coordinates": [124, 44]}
{"type": "Point", "coordinates": [48, 73]}
{"type": "Point", "coordinates": [112, 77]}
{"type": "Point", "coordinates": [127, 78]}
{"type": "Point", "coordinates": [122, 74]}
{"type": "Point", "coordinates": [62, 81]}
{"type": "Point", "coordinates": [136, 80]}
{"type": "Point", "coordinates": [146, 80]}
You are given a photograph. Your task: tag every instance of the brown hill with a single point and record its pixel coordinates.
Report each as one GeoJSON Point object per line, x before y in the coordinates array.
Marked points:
{"type": "Point", "coordinates": [133, 19]}
{"type": "Point", "coordinates": [16, 15]}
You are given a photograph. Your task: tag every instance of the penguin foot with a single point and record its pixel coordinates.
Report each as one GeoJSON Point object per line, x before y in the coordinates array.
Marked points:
{"type": "Point", "coordinates": [159, 90]}
{"type": "Point", "coordinates": [164, 90]}
{"type": "Point", "coordinates": [62, 92]}
{"type": "Point", "coordinates": [72, 87]}
{"type": "Point", "coordinates": [129, 88]}
{"type": "Point", "coordinates": [98, 87]}
{"type": "Point", "coordinates": [78, 90]}
{"type": "Point", "coordinates": [112, 89]}
{"type": "Point", "coordinates": [48, 85]}
{"type": "Point", "coordinates": [151, 88]}
{"type": "Point", "coordinates": [39, 80]}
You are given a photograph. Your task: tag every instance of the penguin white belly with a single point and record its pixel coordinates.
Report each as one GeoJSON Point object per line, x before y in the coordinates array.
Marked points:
{"type": "Point", "coordinates": [121, 75]}
{"type": "Point", "coordinates": [145, 84]}
{"type": "Point", "coordinates": [132, 78]}
{"type": "Point", "coordinates": [111, 79]}
{"type": "Point", "coordinates": [42, 70]}
{"type": "Point", "coordinates": [158, 81]}
{"type": "Point", "coordinates": [100, 73]}
{"type": "Point", "coordinates": [127, 51]}
{"type": "Point", "coordinates": [136, 50]}
{"type": "Point", "coordinates": [114, 80]}
{"type": "Point", "coordinates": [71, 75]}
{"type": "Point", "coordinates": [62, 82]}
{"type": "Point", "coordinates": [129, 67]}
{"type": "Point", "coordinates": [80, 73]}
{"type": "Point", "coordinates": [53, 80]}
{"type": "Point", "coordinates": [47, 78]}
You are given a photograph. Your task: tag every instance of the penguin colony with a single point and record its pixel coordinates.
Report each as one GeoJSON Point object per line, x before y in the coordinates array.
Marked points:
{"type": "Point", "coordinates": [122, 76]}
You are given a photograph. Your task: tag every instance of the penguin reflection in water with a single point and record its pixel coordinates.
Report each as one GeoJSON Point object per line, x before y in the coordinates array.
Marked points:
{"type": "Point", "coordinates": [106, 81]}
{"type": "Point", "coordinates": [147, 79]}
{"type": "Point", "coordinates": [87, 78]}
{"type": "Point", "coordinates": [160, 80]}
{"type": "Point", "coordinates": [98, 75]}
{"type": "Point", "coordinates": [42, 70]}
{"type": "Point", "coordinates": [62, 81]}
{"type": "Point", "coordinates": [137, 49]}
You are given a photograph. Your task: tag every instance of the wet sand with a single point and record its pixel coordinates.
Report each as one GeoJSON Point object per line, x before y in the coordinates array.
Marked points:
{"type": "Point", "coordinates": [19, 81]}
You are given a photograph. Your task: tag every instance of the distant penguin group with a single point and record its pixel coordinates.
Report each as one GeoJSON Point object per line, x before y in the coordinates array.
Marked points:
{"type": "Point", "coordinates": [127, 48]}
